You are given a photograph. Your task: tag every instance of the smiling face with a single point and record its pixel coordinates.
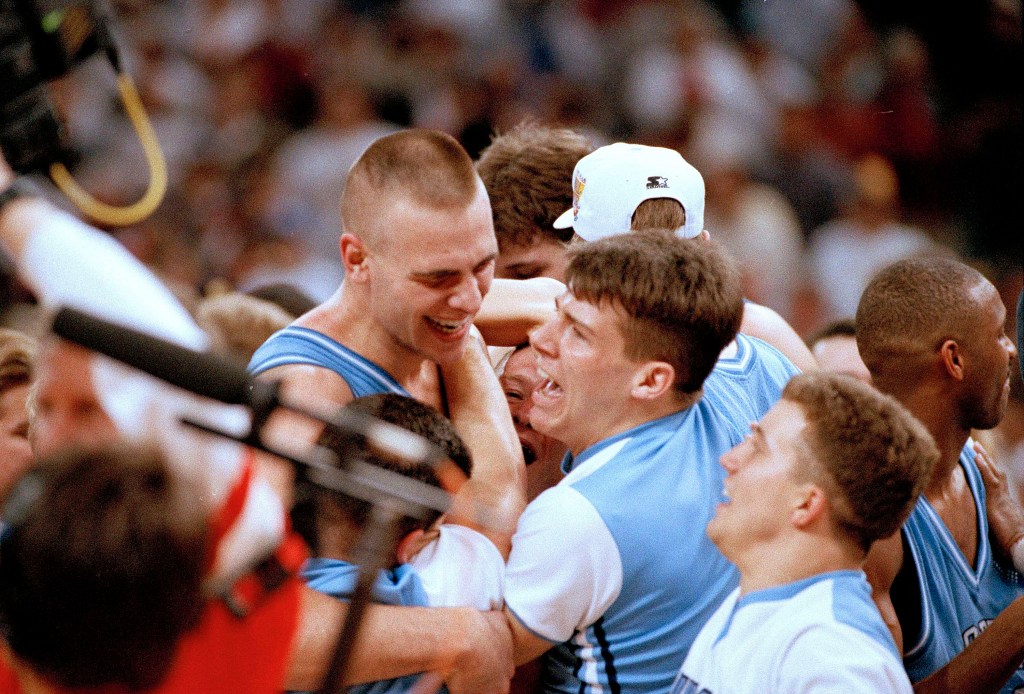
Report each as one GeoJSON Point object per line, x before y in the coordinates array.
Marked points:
{"type": "Point", "coordinates": [763, 483]}
{"type": "Point", "coordinates": [428, 271]}
{"type": "Point", "coordinates": [588, 379]}
{"type": "Point", "coordinates": [543, 454]}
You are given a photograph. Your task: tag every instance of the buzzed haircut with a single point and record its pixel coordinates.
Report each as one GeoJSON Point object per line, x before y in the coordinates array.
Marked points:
{"type": "Point", "coordinates": [843, 327]}
{"type": "Point", "coordinates": [683, 300]}
{"type": "Point", "coordinates": [409, 414]}
{"type": "Point", "coordinates": [911, 307]}
{"type": "Point", "coordinates": [528, 175]}
{"type": "Point", "coordinates": [872, 456]}
{"type": "Point", "coordinates": [427, 167]}
{"type": "Point", "coordinates": [102, 573]}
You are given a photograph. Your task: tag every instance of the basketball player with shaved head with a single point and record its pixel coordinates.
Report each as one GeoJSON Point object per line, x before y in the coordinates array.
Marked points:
{"type": "Point", "coordinates": [932, 333]}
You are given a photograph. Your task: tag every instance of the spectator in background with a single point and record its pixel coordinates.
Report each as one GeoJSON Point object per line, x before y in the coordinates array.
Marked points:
{"type": "Point", "coordinates": [833, 467]}
{"type": "Point", "coordinates": [751, 219]}
{"type": "Point", "coordinates": [102, 574]}
{"type": "Point", "coordinates": [847, 251]}
{"type": "Point", "coordinates": [17, 373]}
{"type": "Point", "coordinates": [239, 323]}
{"type": "Point", "coordinates": [835, 349]}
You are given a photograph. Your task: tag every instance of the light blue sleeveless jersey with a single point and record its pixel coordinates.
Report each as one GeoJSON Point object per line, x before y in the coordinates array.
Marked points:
{"type": "Point", "coordinates": [296, 345]}
{"type": "Point", "coordinates": [957, 600]}
{"type": "Point", "coordinates": [656, 497]}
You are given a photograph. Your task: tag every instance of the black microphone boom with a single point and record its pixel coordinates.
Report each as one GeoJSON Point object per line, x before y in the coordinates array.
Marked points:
{"type": "Point", "coordinates": [209, 375]}
{"type": "Point", "coordinates": [222, 379]}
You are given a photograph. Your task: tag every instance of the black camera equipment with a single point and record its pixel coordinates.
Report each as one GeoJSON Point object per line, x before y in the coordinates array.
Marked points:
{"type": "Point", "coordinates": [41, 40]}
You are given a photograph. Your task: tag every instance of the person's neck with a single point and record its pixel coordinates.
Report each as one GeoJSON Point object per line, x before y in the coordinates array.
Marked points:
{"type": "Point", "coordinates": [773, 564]}
{"type": "Point", "coordinates": [934, 408]}
{"type": "Point", "coordinates": [347, 320]}
{"type": "Point", "coordinates": [636, 414]}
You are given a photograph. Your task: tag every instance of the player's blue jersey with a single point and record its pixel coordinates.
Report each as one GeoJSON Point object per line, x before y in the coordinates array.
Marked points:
{"type": "Point", "coordinates": [297, 345]}
{"type": "Point", "coordinates": [957, 600]}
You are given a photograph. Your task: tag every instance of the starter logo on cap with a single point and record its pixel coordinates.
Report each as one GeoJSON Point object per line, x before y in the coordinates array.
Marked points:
{"type": "Point", "coordinates": [657, 182]}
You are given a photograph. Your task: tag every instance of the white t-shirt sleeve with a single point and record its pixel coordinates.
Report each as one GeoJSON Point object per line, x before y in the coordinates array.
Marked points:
{"type": "Point", "coordinates": [564, 570]}
{"type": "Point", "coordinates": [843, 661]}
{"type": "Point", "coordinates": [462, 568]}
{"type": "Point", "coordinates": [69, 263]}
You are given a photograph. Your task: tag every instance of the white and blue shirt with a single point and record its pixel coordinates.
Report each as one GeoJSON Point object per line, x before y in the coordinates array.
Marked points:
{"type": "Point", "coordinates": [820, 634]}
{"type": "Point", "coordinates": [612, 565]}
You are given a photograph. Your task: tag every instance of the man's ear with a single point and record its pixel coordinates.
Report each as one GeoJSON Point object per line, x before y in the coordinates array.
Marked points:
{"type": "Point", "coordinates": [811, 506]}
{"type": "Point", "coordinates": [704, 235]}
{"type": "Point", "coordinates": [410, 545]}
{"type": "Point", "coordinates": [653, 379]}
{"type": "Point", "coordinates": [952, 356]}
{"type": "Point", "coordinates": [353, 256]}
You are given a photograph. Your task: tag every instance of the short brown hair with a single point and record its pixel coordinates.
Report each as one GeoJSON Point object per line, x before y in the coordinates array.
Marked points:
{"type": "Point", "coordinates": [868, 451]}
{"type": "Point", "coordinates": [658, 213]}
{"type": "Point", "coordinates": [528, 175]}
{"type": "Point", "coordinates": [428, 167]}
{"type": "Point", "coordinates": [683, 300]}
{"type": "Point", "coordinates": [102, 573]}
{"type": "Point", "coordinates": [911, 307]}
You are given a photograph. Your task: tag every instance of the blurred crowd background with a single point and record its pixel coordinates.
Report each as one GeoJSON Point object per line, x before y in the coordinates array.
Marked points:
{"type": "Point", "coordinates": [812, 121]}
{"type": "Point", "coordinates": [833, 135]}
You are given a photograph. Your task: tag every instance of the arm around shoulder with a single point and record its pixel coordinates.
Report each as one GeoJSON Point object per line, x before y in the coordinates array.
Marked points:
{"type": "Point", "coordinates": [495, 495]}
{"type": "Point", "coordinates": [765, 324]}
{"type": "Point", "coordinates": [512, 308]}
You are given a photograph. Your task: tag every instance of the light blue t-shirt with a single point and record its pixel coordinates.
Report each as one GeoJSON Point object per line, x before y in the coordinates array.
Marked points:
{"type": "Point", "coordinates": [397, 586]}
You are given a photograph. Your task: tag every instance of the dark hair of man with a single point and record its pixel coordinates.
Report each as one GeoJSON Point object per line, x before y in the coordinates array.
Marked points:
{"type": "Point", "coordinates": [844, 327]}
{"type": "Point", "coordinates": [17, 357]}
{"type": "Point", "coordinates": [683, 300]}
{"type": "Point", "coordinates": [869, 453]}
{"type": "Point", "coordinates": [427, 167]}
{"type": "Point", "coordinates": [103, 574]}
{"type": "Point", "coordinates": [911, 307]}
{"type": "Point", "coordinates": [409, 414]}
{"type": "Point", "coordinates": [658, 213]}
{"type": "Point", "coordinates": [528, 175]}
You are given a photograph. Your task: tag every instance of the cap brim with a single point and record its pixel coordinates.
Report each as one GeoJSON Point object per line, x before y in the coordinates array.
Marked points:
{"type": "Point", "coordinates": [564, 220]}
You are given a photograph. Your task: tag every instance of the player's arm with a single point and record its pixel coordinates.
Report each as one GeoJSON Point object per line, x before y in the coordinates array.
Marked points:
{"type": "Point", "coordinates": [765, 324]}
{"type": "Point", "coordinates": [526, 645]}
{"type": "Point", "coordinates": [512, 308]}
{"type": "Point", "coordinates": [987, 662]}
{"type": "Point", "coordinates": [480, 414]}
{"type": "Point", "coordinates": [1005, 514]}
{"type": "Point", "coordinates": [881, 567]}
{"type": "Point", "coordinates": [471, 649]}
